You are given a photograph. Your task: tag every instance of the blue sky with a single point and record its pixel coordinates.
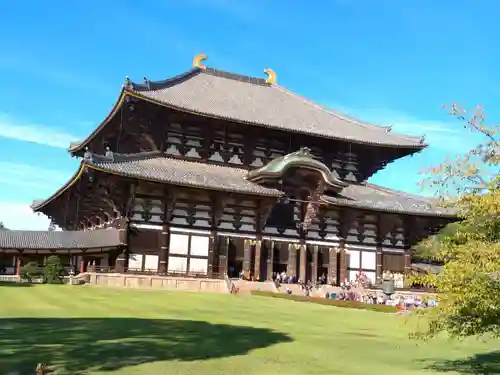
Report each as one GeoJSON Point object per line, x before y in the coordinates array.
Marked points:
{"type": "Point", "coordinates": [396, 63]}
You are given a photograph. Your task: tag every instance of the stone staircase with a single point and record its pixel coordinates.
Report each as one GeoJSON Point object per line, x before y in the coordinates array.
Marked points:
{"type": "Point", "coordinates": [246, 287]}
{"type": "Point", "coordinates": [295, 288]}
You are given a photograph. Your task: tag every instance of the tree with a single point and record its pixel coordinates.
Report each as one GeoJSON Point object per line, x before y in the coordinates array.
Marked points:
{"type": "Point", "coordinates": [29, 271]}
{"type": "Point", "coordinates": [2, 226]}
{"type": "Point", "coordinates": [53, 270]}
{"type": "Point", "coordinates": [470, 281]}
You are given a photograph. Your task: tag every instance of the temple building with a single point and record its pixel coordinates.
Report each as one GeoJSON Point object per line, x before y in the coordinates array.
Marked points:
{"type": "Point", "coordinates": [212, 173]}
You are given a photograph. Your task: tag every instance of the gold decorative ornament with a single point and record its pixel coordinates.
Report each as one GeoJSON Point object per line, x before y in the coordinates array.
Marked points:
{"type": "Point", "coordinates": [197, 61]}
{"type": "Point", "coordinates": [271, 76]}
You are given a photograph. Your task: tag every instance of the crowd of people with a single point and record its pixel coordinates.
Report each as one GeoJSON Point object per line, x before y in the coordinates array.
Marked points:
{"type": "Point", "coordinates": [355, 290]}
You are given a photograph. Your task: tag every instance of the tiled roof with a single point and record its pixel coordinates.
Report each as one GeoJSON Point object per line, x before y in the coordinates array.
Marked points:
{"type": "Point", "coordinates": [183, 173]}
{"type": "Point", "coordinates": [238, 98]}
{"type": "Point", "coordinates": [384, 199]}
{"type": "Point", "coordinates": [59, 240]}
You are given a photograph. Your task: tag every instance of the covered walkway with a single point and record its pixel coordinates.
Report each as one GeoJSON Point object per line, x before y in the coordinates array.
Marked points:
{"type": "Point", "coordinates": [18, 247]}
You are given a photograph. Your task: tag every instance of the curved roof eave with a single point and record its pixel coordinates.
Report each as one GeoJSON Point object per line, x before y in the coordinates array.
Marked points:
{"type": "Point", "coordinates": [436, 214]}
{"type": "Point", "coordinates": [37, 205]}
{"type": "Point", "coordinates": [79, 146]}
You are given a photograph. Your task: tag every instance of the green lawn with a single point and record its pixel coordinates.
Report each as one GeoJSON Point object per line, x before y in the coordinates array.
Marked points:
{"type": "Point", "coordinates": [90, 330]}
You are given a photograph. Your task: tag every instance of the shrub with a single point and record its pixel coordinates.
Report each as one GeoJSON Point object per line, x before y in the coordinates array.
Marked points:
{"type": "Point", "coordinates": [52, 272]}
{"type": "Point", "coordinates": [29, 271]}
{"type": "Point", "coordinates": [327, 301]}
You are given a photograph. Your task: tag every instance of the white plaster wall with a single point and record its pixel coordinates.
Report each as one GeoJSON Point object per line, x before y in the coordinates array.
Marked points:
{"type": "Point", "coordinates": [198, 265]}
{"type": "Point", "coordinates": [369, 260]}
{"type": "Point", "coordinates": [151, 263]}
{"type": "Point", "coordinates": [352, 275]}
{"type": "Point", "coordinates": [199, 245]}
{"type": "Point", "coordinates": [371, 276]}
{"type": "Point", "coordinates": [179, 243]}
{"type": "Point", "coordinates": [135, 261]}
{"type": "Point", "coordinates": [354, 256]}
{"type": "Point", "coordinates": [177, 264]}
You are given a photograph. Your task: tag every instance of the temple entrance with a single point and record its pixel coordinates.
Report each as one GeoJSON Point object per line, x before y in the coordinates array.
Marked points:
{"type": "Point", "coordinates": [309, 265]}
{"type": "Point", "coordinates": [280, 257]}
{"type": "Point", "coordinates": [235, 257]}
{"type": "Point", "coordinates": [323, 262]}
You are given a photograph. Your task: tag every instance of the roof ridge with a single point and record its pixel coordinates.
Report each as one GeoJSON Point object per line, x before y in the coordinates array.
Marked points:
{"type": "Point", "coordinates": [149, 85]}
{"type": "Point", "coordinates": [345, 117]}
{"type": "Point", "coordinates": [236, 76]}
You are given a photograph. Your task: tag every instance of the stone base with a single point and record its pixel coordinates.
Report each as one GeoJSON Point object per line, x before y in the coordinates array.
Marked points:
{"type": "Point", "coordinates": [158, 282]}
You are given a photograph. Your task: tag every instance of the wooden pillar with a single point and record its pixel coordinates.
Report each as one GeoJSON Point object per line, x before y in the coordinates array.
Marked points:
{"type": "Point", "coordinates": [247, 253]}
{"type": "Point", "coordinates": [122, 261]}
{"type": "Point", "coordinates": [257, 263]}
{"type": "Point", "coordinates": [407, 261]}
{"type": "Point", "coordinates": [346, 219]}
{"type": "Point", "coordinates": [379, 264]}
{"type": "Point", "coordinates": [314, 265]}
{"type": "Point", "coordinates": [303, 260]}
{"type": "Point", "coordinates": [332, 266]}
{"type": "Point", "coordinates": [291, 268]}
{"type": "Point", "coordinates": [223, 248]}
{"type": "Point", "coordinates": [343, 262]}
{"type": "Point", "coordinates": [164, 249]}
{"type": "Point", "coordinates": [212, 251]}
{"type": "Point", "coordinates": [270, 256]}
{"type": "Point", "coordinates": [83, 263]}
{"type": "Point", "coordinates": [18, 265]}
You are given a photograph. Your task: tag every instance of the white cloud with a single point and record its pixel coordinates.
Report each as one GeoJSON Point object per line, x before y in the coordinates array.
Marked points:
{"type": "Point", "coordinates": [29, 64]}
{"type": "Point", "coordinates": [20, 184]}
{"type": "Point", "coordinates": [35, 133]}
{"type": "Point", "coordinates": [20, 216]}
{"type": "Point", "coordinates": [19, 174]}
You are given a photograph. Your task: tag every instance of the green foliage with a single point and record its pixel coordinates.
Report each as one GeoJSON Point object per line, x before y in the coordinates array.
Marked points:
{"type": "Point", "coordinates": [29, 271]}
{"type": "Point", "coordinates": [427, 281]}
{"type": "Point", "coordinates": [469, 284]}
{"type": "Point", "coordinates": [329, 302]}
{"type": "Point", "coordinates": [53, 270]}
{"type": "Point", "coordinates": [429, 249]}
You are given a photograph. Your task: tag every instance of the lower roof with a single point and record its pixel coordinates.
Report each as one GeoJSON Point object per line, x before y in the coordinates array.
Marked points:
{"type": "Point", "coordinates": [59, 240]}
{"type": "Point", "coordinates": [156, 167]}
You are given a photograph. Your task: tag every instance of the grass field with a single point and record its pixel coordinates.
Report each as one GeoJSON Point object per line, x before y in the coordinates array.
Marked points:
{"type": "Point", "coordinates": [88, 330]}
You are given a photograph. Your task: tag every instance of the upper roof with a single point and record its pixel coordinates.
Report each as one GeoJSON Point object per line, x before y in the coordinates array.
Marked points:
{"type": "Point", "coordinates": [59, 240]}
{"type": "Point", "coordinates": [156, 167]}
{"type": "Point", "coordinates": [239, 98]}
{"type": "Point", "coordinates": [242, 99]}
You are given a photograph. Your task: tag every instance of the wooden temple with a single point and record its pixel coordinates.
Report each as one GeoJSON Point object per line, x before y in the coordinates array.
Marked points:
{"type": "Point", "coordinates": [213, 173]}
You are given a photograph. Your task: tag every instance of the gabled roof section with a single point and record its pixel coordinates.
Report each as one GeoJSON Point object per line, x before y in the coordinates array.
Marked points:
{"type": "Point", "coordinates": [276, 168]}
{"type": "Point", "coordinates": [59, 240]}
{"type": "Point", "coordinates": [156, 167]}
{"type": "Point", "coordinates": [255, 101]}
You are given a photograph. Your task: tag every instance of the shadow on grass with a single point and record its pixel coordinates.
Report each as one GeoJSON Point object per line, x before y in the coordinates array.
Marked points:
{"type": "Point", "coordinates": [14, 284]}
{"type": "Point", "coordinates": [79, 345]}
{"type": "Point", "coordinates": [480, 364]}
